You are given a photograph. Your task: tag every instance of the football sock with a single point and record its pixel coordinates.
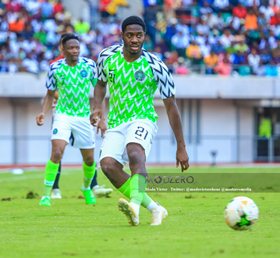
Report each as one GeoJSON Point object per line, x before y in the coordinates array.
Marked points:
{"type": "Point", "coordinates": [94, 180]}
{"type": "Point", "coordinates": [50, 174]}
{"type": "Point", "coordinates": [152, 205]}
{"type": "Point", "coordinates": [137, 188]}
{"type": "Point", "coordinates": [125, 188]}
{"type": "Point", "coordinates": [56, 181]}
{"type": "Point", "coordinates": [147, 200]}
{"type": "Point", "coordinates": [89, 172]}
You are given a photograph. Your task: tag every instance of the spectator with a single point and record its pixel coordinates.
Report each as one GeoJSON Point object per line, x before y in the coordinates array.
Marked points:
{"type": "Point", "coordinates": [223, 67]}
{"type": "Point", "coordinates": [251, 21]}
{"type": "Point", "coordinates": [226, 38]}
{"type": "Point", "coordinates": [81, 26]}
{"type": "Point", "coordinates": [239, 11]}
{"type": "Point", "coordinates": [275, 19]}
{"type": "Point", "coordinates": [58, 7]}
{"type": "Point", "coordinates": [180, 42]}
{"type": "Point", "coordinates": [254, 61]}
{"type": "Point", "coordinates": [214, 24]}
{"type": "Point", "coordinates": [276, 53]}
{"type": "Point", "coordinates": [180, 67]}
{"type": "Point", "coordinates": [170, 31]}
{"type": "Point", "coordinates": [17, 26]}
{"type": "Point", "coordinates": [210, 62]}
{"type": "Point", "coordinates": [46, 9]}
{"type": "Point", "coordinates": [241, 46]}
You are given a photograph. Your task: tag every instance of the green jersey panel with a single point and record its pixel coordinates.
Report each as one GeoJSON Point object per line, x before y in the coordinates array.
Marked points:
{"type": "Point", "coordinates": [73, 84]}
{"type": "Point", "coordinates": [132, 85]}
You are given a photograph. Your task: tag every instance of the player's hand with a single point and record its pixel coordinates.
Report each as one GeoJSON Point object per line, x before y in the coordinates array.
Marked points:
{"type": "Point", "coordinates": [40, 119]}
{"type": "Point", "coordinates": [101, 127]}
{"type": "Point", "coordinates": [95, 117]}
{"type": "Point", "coordinates": [182, 158]}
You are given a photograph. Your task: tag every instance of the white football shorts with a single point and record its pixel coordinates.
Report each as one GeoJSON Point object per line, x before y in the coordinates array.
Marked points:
{"type": "Point", "coordinates": [141, 131]}
{"type": "Point", "coordinates": [74, 130]}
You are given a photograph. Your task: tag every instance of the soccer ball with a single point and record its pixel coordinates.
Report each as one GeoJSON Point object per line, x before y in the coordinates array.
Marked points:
{"type": "Point", "coordinates": [241, 213]}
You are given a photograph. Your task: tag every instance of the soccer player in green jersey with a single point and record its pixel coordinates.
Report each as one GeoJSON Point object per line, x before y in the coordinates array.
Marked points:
{"type": "Point", "coordinates": [99, 190]}
{"type": "Point", "coordinates": [132, 76]}
{"type": "Point", "coordinates": [73, 77]}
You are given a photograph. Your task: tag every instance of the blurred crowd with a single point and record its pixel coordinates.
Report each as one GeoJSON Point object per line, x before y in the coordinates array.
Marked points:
{"type": "Point", "coordinates": [224, 37]}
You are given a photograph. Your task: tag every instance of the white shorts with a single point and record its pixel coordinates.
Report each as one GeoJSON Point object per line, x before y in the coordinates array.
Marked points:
{"type": "Point", "coordinates": [141, 131]}
{"type": "Point", "coordinates": [74, 130]}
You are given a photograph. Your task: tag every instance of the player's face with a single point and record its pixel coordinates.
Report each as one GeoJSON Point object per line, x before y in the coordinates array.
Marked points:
{"type": "Point", "coordinates": [71, 50]}
{"type": "Point", "coordinates": [133, 39]}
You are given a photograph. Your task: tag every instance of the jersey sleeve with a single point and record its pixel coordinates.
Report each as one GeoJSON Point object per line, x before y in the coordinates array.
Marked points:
{"type": "Point", "coordinates": [51, 80]}
{"type": "Point", "coordinates": [93, 70]}
{"type": "Point", "coordinates": [162, 76]}
{"type": "Point", "coordinates": [102, 60]}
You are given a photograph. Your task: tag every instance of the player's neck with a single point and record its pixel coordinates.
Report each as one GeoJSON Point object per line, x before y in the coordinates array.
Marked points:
{"type": "Point", "coordinates": [131, 57]}
{"type": "Point", "coordinates": [71, 62]}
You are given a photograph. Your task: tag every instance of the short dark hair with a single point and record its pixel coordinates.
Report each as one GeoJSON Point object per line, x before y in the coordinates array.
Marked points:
{"type": "Point", "coordinates": [62, 36]}
{"type": "Point", "coordinates": [67, 36]}
{"type": "Point", "coordinates": [133, 20]}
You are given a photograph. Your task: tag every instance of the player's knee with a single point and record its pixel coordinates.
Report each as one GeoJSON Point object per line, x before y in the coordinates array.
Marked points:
{"type": "Point", "coordinates": [136, 157]}
{"type": "Point", "coordinates": [57, 155]}
{"type": "Point", "coordinates": [88, 160]}
{"type": "Point", "coordinates": [107, 165]}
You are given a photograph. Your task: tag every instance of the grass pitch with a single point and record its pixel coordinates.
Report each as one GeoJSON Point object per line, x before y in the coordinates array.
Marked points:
{"type": "Point", "coordinates": [195, 226]}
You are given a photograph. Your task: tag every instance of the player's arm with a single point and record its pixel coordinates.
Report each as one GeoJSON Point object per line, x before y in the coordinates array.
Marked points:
{"type": "Point", "coordinates": [98, 108]}
{"type": "Point", "coordinates": [182, 157]}
{"type": "Point", "coordinates": [46, 107]}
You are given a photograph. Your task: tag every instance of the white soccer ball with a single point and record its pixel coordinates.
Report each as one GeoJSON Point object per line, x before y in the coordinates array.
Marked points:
{"type": "Point", "coordinates": [241, 213]}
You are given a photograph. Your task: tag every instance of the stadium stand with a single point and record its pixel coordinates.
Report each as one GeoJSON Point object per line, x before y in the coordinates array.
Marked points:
{"type": "Point", "coordinates": [226, 37]}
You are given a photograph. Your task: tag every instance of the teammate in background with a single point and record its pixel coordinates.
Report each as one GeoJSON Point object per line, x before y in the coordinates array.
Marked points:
{"type": "Point", "coordinates": [72, 77]}
{"type": "Point", "coordinates": [132, 76]}
{"type": "Point", "coordinates": [99, 190]}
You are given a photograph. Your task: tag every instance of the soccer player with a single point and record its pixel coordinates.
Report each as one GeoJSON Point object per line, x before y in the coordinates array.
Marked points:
{"type": "Point", "coordinates": [72, 77]}
{"type": "Point", "coordinates": [99, 190]}
{"type": "Point", "coordinates": [132, 76]}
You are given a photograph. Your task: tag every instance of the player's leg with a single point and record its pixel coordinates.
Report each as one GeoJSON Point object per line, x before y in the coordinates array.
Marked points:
{"type": "Point", "coordinates": [94, 180]}
{"type": "Point", "coordinates": [58, 147]}
{"type": "Point", "coordinates": [113, 170]}
{"type": "Point", "coordinates": [139, 137]}
{"type": "Point", "coordinates": [89, 171]}
{"type": "Point", "coordinates": [56, 193]}
{"type": "Point", "coordinates": [122, 181]}
{"type": "Point", "coordinates": [61, 130]}
{"type": "Point", "coordinates": [111, 160]}
{"type": "Point", "coordinates": [111, 156]}
{"type": "Point", "coordinates": [84, 139]}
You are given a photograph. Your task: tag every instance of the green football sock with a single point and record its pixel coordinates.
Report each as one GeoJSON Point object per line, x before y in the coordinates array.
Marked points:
{"type": "Point", "coordinates": [50, 174]}
{"type": "Point", "coordinates": [137, 188]}
{"type": "Point", "coordinates": [125, 190]}
{"type": "Point", "coordinates": [88, 174]}
{"type": "Point", "coordinates": [146, 200]}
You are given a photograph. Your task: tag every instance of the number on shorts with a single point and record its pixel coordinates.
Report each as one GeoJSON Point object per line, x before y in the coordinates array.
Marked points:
{"type": "Point", "coordinates": [141, 132]}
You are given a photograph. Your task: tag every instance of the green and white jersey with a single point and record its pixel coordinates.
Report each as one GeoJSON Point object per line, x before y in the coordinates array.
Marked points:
{"type": "Point", "coordinates": [73, 84]}
{"type": "Point", "coordinates": [132, 85]}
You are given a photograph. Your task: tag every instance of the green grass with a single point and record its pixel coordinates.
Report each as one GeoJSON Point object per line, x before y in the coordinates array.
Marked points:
{"type": "Point", "coordinates": [195, 226]}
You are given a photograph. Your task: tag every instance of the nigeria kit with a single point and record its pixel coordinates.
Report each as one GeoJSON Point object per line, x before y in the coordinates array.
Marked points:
{"type": "Point", "coordinates": [72, 110]}
{"type": "Point", "coordinates": [132, 86]}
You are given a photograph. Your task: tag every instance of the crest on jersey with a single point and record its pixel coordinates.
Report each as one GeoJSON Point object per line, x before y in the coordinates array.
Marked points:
{"type": "Point", "coordinates": [84, 73]}
{"type": "Point", "coordinates": [139, 75]}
